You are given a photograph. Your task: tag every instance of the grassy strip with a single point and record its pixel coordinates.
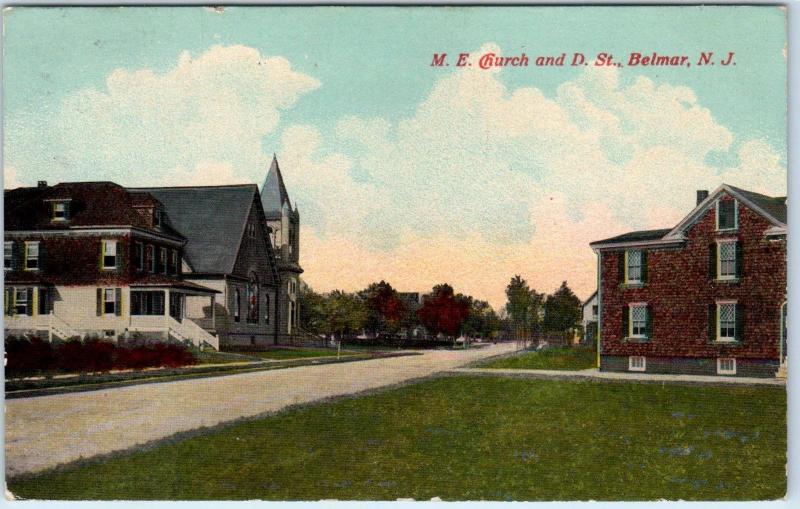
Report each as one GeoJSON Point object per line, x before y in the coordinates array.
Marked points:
{"type": "Point", "coordinates": [568, 359]}
{"type": "Point", "coordinates": [466, 438]}
{"type": "Point", "coordinates": [296, 353]}
{"type": "Point", "coordinates": [32, 388]}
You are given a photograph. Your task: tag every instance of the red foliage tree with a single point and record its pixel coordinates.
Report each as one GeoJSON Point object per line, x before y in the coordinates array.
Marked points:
{"type": "Point", "coordinates": [442, 311]}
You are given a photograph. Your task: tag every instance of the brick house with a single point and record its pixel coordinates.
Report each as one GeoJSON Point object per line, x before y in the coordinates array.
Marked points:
{"type": "Point", "coordinates": [95, 259]}
{"type": "Point", "coordinates": [705, 297]}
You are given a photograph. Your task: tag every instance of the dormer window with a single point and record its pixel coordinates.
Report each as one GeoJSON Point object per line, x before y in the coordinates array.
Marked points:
{"type": "Point", "coordinates": [727, 212]}
{"type": "Point", "coordinates": [109, 254]}
{"type": "Point", "coordinates": [60, 210]}
{"type": "Point", "coordinates": [158, 218]}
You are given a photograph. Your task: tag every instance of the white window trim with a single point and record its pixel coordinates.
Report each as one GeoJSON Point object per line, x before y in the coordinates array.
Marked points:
{"type": "Point", "coordinates": [632, 305]}
{"type": "Point", "coordinates": [735, 217]}
{"type": "Point", "coordinates": [735, 243]}
{"type": "Point", "coordinates": [721, 371]}
{"type": "Point", "coordinates": [10, 257]}
{"type": "Point", "coordinates": [628, 280]}
{"type": "Point", "coordinates": [631, 367]}
{"type": "Point", "coordinates": [719, 321]}
{"type": "Point", "coordinates": [114, 294]}
{"type": "Point", "coordinates": [55, 204]}
{"type": "Point", "coordinates": [25, 259]}
{"type": "Point", "coordinates": [107, 242]}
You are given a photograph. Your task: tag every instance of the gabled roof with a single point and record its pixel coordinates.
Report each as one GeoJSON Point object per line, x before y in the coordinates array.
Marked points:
{"type": "Point", "coordinates": [273, 192]}
{"type": "Point", "coordinates": [92, 204]}
{"type": "Point", "coordinates": [212, 218]}
{"type": "Point", "coordinates": [589, 299]}
{"type": "Point", "coordinates": [771, 208]}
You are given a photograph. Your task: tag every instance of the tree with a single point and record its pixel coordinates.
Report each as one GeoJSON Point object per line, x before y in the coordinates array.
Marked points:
{"type": "Point", "coordinates": [482, 321]}
{"type": "Point", "coordinates": [345, 313]}
{"type": "Point", "coordinates": [562, 310]}
{"type": "Point", "coordinates": [523, 307]}
{"type": "Point", "coordinates": [312, 309]}
{"type": "Point", "coordinates": [385, 311]}
{"type": "Point", "coordinates": [442, 312]}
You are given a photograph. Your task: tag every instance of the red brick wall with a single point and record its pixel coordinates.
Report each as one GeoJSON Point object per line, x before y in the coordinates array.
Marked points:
{"type": "Point", "coordinates": [679, 291]}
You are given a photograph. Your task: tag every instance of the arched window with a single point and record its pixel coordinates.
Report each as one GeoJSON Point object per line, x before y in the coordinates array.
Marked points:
{"type": "Point", "coordinates": [252, 299]}
{"type": "Point", "coordinates": [237, 299]}
{"type": "Point", "coordinates": [266, 307]}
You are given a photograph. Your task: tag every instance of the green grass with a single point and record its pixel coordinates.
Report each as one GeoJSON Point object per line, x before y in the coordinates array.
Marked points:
{"type": "Point", "coordinates": [468, 438]}
{"type": "Point", "coordinates": [568, 359]}
{"type": "Point", "coordinates": [295, 353]}
{"type": "Point", "coordinates": [213, 357]}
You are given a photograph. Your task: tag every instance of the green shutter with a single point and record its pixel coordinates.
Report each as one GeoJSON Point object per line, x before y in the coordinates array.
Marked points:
{"type": "Point", "coordinates": [712, 322]}
{"type": "Point", "coordinates": [9, 301]}
{"type": "Point", "coordinates": [644, 266]}
{"type": "Point", "coordinates": [120, 254]}
{"type": "Point", "coordinates": [712, 261]}
{"type": "Point", "coordinates": [739, 322]}
{"type": "Point", "coordinates": [99, 302]}
{"type": "Point", "coordinates": [118, 305]}
{"type": "Point", "coordinates": [625, 318]}
{"type": "Point", "coordinates": [621, 266]}
{"type": "Point", "coordinates": [29, 307]}
{"type": "Point", "coordinates": [739, 260]}
{"type": "Point", "coordinates": [649, 322]}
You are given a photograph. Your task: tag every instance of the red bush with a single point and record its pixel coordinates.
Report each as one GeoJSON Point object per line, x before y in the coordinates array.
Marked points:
{"type": "Point", "coordinates": [29, 356]}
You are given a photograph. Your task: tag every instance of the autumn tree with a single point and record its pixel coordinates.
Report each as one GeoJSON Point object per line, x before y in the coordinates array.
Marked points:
{"type": "Point", "coordinates": [442, 311]}
{"type": "Point", "coordinates": [385, 312]}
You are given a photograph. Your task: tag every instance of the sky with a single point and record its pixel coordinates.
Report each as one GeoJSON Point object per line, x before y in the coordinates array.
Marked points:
{"type": "Point", "coordinates": [404, 171]}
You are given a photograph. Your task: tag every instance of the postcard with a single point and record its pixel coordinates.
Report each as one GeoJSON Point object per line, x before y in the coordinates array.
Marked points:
{"type": "Point", "coordinates": [461, 253]}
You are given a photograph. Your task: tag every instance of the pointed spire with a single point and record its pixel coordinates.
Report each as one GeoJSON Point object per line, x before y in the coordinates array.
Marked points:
{"type": "Point", "coordinates": [273, 192]}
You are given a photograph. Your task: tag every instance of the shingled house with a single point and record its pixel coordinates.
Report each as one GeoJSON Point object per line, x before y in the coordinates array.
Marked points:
{"type": "Point", "coordinates": [228, 250]}
{"type": "Point", "coordinates": [96, 259]}
{"type": "Point", "coordinates": [707, 296]}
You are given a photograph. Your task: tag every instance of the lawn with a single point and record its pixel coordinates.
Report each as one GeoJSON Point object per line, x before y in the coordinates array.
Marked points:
{"type": "Point", "coordinates": [568, 359]}
{"type": "Point", "coordinates": [295, 353]}
{"type": "Point", "coordinates": [468, 438]}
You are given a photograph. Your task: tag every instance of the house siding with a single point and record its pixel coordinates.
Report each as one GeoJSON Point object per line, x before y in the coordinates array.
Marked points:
{"type": "Point", "coordinates": [679, 291]}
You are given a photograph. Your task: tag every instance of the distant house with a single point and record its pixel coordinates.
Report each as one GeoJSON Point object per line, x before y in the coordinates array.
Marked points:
{"type": "Point", "coordinates": [707, 296]}
{"type": "Point", "coordinates": [590, 310]}
{"type": "Point", "coordinates": [412, 301]}
{"type": "Point", "coordinates": [96, 259]}
{"type": "Point", "coordinates": [228, 250]}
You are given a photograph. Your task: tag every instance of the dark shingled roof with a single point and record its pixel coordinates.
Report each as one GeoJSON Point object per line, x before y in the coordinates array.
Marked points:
{"type": "Point", "coordinates": [776, 207]}
{"type": "Point", "coordinates": [639, 236]}
{"type": "Point", "coordinates": [211, 218]}
{"type": "Point", "coordinates": [273, 192]}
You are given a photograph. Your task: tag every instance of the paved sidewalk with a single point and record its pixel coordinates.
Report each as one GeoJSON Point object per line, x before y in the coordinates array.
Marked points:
{"type": "Point", "coordinates": [45, 431]}
{"type": "Point", "coordinates": [595, 374]}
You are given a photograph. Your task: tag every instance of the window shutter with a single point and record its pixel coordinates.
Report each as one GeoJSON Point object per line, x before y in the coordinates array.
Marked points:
{"type": "Point", "coordinates": [29, 307]}
{"type": "Point", "coordinates": [16, 256]}
{"type": "Point", "coordinates": [42, 255]}
{"type": "Point", "coordinates": [99, 302]}
{"type": "Point", "coordinates": [9, 301]}
{"type": "Point", "coordinates": [625, 317]}
{"type": "Point", "coordinates": [712, 322]}
{"type": "Point", "coordinates": [649, 322]}
{"type": "Point", "coordinates": [66, 211]}
{"type": "Point", "coordinates": [712, 261]}
{"type": "Point", "coordinates": [118, 306]}
{"type": "Point", "coordinates": [120, 254]}
{"type": "Point", "coordinates": [621, 266]}
{"type": "Point", "coordinates": [739, 260]}
{"type": "Point", "coordinates": [740, 322]}
{"type": "Point", "coordinates": [644, 266]}
{"type": "Point", "coordinates": [102, 253]}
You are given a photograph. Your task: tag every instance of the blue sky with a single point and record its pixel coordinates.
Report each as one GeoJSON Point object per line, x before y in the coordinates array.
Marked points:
{"type": "Point", "coordinates": [418, 169]}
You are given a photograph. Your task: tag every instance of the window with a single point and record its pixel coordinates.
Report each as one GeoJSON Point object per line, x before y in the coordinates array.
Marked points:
{"type": "Point", "coordinates": [252, 299]}
{"type": "Point", "coordinates": [147, 303]}
{"type": "Point", "coordinates": [726, 321]}
{"type": "Point", "coordinates": [638, 321]}
{"type": "Point", "coordinates": [31, 256]}
{"type": "Point", "coordinates": [8, 255]}
{"type": "Point", "coordinates": [175, 266]}
{"type": "Point", "coordinates": [636, 363]}
{"type": "Point", "coordinates": [634, 266]}
{"type": "Point", "coordinates": [109, 253]}
{"type": "Point", "coordinates": [157, 218]}
{"type": "Point", "coordinates": [266, 308]}
{"type": "Point", "coordinates": [60, 210]}
{"type": "Point", "coordinates": [139, 256]}
{"type": "Point", "coordinates": [726, 214]}
{"type": "Point", "coordinates": [163, 260]}
{"type": "Point", "coordinates": [21, 301]}
{"type": "Point", "coordinates": [727, 260]}
{"type": "Point", "coordinates": [237, 305]}
{"type": "Point", "coordinates": [151, 258]}
{"type": "Point", "coordinates": [726, 366]}
{"type": "Point", "coordinates": [251, 229]}
{"type": "Point", "coordinates": [594, 310]}
{"type": "Point", "coordinates": [109, 301]}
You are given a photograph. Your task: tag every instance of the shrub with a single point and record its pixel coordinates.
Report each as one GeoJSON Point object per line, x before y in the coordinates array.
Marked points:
{"type": "Point", "coordinates": [29, 356]}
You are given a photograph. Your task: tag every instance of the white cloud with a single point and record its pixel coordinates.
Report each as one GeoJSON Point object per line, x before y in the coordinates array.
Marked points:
{"type": "Point", "coordinates": [483, 181]}
{"type": "Point", "coordinates": [144, 125]}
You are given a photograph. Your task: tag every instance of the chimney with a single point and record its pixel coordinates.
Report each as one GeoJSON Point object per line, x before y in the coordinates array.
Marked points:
{"type": "Point", "coordinates": [41, 183]}
{"type": "Point", "coordinates": [702, 194]}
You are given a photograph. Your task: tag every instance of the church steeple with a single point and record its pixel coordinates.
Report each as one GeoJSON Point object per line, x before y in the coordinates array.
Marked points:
{"type": "Point", "coordinates": [273, 192]}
